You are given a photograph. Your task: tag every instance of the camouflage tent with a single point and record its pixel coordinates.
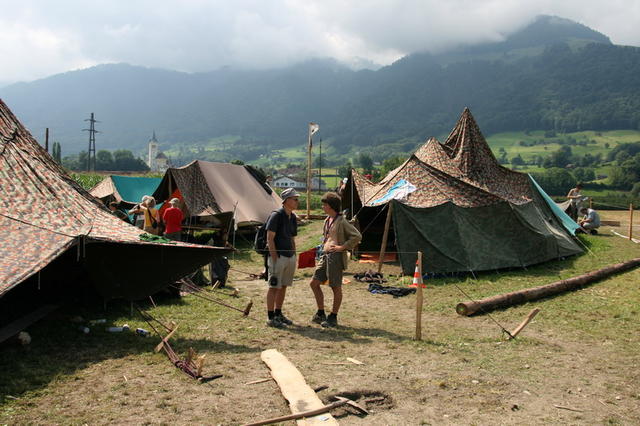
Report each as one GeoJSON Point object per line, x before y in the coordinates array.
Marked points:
{"type": "Point", "coordinates": [51, 227]}
{"type": "Point", "coordinates": [466, 212]}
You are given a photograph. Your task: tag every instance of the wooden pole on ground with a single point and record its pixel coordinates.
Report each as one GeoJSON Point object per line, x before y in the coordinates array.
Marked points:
{"type": "Point", "coordinates": [524, 323]}
{"type": "Point", "coordinates": [385, 236]}
{"type": "Point", "coordinates": [529, 294]}
{"type": "Point", "coordinates": [631, 221]}
{"type": "Point", "coordinates": [419, 300]}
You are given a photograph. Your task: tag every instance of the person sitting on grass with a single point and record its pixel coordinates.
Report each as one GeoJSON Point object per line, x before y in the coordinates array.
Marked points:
{"type": "Point", "coordinates": [591, 220]}
{"type": "Point", "coordinates": [339, 236]}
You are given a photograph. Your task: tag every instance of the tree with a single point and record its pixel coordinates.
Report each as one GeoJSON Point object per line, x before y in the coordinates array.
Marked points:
{"type": "Point", "coordinates": [124, 160]}
{"type": "Point", "coordinates": [390, 164]}
{"type": "Point", "coordinates": [238, 162]}
{"type": "Point", "coordinates": [345, 170]}
{"type": "Point", "coordinates": [555, 180]}
{"type": "Point", "coordinates": [56, 152]}
{"type": "Point", "coordinates": [517, 160]}
{"type": "Point", "coordinates": [364, 160]}
{"type": "Point", "coordinates": [104, 160]}
{"type": "Point", "coordinates": [502, 157]}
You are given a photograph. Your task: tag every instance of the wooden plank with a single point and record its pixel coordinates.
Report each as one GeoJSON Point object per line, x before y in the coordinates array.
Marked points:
{"type": "Point", "coordinates": [20, 324]}
{"type": "Point", "coordinates": [609, 223]}
{"type": "Point", "coordinates": [295, 389]}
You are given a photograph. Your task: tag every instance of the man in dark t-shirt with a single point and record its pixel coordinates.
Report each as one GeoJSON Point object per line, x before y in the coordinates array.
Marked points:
{"type": "Point", "coordinates": [281, 231]}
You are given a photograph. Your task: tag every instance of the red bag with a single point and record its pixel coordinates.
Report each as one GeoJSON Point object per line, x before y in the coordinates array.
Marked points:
{"type": "Point", "coordinates": [307, 259]}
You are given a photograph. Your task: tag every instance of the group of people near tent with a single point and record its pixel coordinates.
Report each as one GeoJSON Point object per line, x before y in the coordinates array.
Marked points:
{"type": "Point", "coordinates": [590, 219]}
{"type": "Point", "coordinates": [147, 217]}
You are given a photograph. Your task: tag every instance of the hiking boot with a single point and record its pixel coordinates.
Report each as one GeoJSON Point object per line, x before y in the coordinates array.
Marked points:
{"type": "Point", "coordinates": [284, 320]}
{"type": "Point", "coordinates": [331, 321]}
{"type": "Point", "coordinates": [276, 323]}
{"type": "Point", "coordinates": [319, 318]}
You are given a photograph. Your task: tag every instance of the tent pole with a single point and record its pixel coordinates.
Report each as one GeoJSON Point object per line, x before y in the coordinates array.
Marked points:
{"type": "Point", "coordinates": [419, 300]}
{"type": "Point", "coordinates": [309, 176]}
{"type": "Point", "coordinates": [351, 178]}
{"type": "Point", "coordinates": [385, 236]}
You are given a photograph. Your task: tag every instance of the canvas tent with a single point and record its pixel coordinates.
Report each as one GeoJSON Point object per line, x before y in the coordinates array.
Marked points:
{"type": "Point", "coordinates": [125, 190]}
{"type": "Point", "coordinates": [462, 209]}
{"type": "Point", "coordinates": [210, 189]}
{"type": "Point", "coordinates": [52, 228]}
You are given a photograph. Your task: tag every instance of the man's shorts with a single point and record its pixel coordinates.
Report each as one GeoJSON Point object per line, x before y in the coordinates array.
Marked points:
{"type": "Point", "coordinates": [330, 268]}
{"type": "Point", "coordinates": [281, 274]}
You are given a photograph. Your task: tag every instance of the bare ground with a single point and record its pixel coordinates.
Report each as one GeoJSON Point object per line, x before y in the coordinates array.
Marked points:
{"type": "Point", "coordinates": [576, 363]}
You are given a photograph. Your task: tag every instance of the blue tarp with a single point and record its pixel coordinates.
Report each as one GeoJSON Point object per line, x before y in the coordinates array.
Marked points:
{"type": "Point", "coordinates": [133, 188]}
{"type": "Point", "coordinates": [568, 223]}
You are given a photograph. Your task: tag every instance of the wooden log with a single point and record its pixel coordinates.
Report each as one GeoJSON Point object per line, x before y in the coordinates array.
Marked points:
{"type": "Point", "coordinates": [295, 389]}
{"type": "Point", "coordinates": [385, 236]}
{"type": "Point", "coordinates": [535, 293]}
{"type": "Point", "coordinates": [524, 323]}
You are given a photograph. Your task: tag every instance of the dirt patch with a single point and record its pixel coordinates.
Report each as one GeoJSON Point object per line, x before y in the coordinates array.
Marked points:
{"type": "Point", "coordinates": [373, 401]}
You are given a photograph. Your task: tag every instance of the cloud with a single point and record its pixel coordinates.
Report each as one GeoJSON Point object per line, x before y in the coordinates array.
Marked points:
{"type": "Point", "coordinates": [39, 38]}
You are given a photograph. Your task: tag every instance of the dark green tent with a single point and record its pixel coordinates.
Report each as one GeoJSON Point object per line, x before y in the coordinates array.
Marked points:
{"type": "Point", "coordinates": [457, 205]}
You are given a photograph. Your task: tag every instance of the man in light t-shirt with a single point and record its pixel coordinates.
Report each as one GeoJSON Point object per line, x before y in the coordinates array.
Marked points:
{"type": "Point", "coordinates": [591, 220]}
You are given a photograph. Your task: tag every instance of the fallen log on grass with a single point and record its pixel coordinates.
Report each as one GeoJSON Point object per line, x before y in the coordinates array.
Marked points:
{"type": "Point", "coordinates": [535, 293]}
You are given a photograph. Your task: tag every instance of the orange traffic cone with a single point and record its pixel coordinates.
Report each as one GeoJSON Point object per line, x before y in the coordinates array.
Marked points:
{"type": "Point", "coordinates": [417, 278]}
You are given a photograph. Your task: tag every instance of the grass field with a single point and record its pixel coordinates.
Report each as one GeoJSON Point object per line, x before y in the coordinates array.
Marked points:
{"type": "Point", "coordinates": [576, 363]}
{"type": "Point", "coordinates": [510, 142]}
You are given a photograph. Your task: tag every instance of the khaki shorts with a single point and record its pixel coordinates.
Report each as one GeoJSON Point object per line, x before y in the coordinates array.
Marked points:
{"type": "Point", "coordinates": [281, 274]}
{"type": "Point", "coordinates": [330, 268]}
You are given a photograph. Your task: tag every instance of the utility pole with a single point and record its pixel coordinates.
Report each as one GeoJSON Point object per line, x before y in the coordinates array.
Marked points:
{"type": "Point", "coordinates": [91, 152]}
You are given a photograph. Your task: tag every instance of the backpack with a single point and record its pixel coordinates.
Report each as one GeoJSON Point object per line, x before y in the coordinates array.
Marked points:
{"type": "Point", "coordinates": [260, 242]}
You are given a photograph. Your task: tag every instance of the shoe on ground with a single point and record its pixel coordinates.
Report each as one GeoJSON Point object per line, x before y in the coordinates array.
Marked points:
{"type": "Point", "coordinates": [284, 320]}
{"type": "Point", "coordinates": [594, 232]}
{"type": "Point", "coordinates": [330, 322]}
{"type": "Point", "coordinates": [276, 323]}
{"type": "Point", "coordinates": [319, 318]}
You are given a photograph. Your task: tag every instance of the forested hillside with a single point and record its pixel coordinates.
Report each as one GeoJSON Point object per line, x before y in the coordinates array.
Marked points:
{"type": "Point", "coordinates": [552, 75]}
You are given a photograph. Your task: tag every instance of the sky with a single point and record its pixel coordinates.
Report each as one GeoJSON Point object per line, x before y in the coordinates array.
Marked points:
{"type": "Point", "coordinates": [39, 38]}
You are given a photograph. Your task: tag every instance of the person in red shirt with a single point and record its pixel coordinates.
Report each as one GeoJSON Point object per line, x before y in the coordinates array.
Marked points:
{"type": "Point", "coordinates": [172, 218]}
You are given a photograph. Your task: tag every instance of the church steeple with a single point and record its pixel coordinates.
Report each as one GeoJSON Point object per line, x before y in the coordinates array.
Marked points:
{"type": "Point", "coordinates": [153, 138]}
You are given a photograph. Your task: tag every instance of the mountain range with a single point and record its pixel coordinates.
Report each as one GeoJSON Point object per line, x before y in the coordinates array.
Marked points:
{"type": "Point", "coordinates": [553, 74]}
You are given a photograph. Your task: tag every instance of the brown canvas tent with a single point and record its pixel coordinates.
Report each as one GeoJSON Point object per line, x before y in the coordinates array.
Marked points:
{"type": "Point", "coordinates": [462, 209]}
{"type": "Point", "coordinates": [209, 189]}
{"type": "Point", "coordinates": [51, 227]}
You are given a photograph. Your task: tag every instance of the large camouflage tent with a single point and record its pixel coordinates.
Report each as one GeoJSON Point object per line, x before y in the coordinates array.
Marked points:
{"type": "Point", "coordinates": [454, 202]}
{"type": "Point", "coordinates": [52, 229]}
